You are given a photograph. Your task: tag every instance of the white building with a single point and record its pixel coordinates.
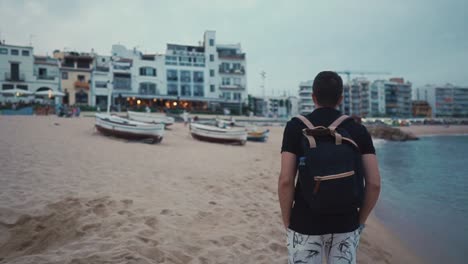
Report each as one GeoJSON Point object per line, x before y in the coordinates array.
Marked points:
{"type": "Point", "coordinates": [306, 104]}
{"type": "Point", "coordinates": [390, 98]}
{"type": "Point", "coordinates": [21, 70]}
{"type": "Point", "coordinates": [101, 81]}
{"type": "Point", "coordinates": [356, 98]}
{"type": "Point", "coordinates": [16, 70]}
{"type": "Point", "coordinates": [275, 106]}
{"type": "Point", "coordinates": [196, 76]}
{"type": "Point", "coordinates": [46, 71]}
{"type": "Point", "coordinates": [445, 100]}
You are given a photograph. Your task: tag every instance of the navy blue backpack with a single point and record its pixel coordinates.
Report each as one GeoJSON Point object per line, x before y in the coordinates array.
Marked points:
{"type": "Point", "coordinates": [330, 172]}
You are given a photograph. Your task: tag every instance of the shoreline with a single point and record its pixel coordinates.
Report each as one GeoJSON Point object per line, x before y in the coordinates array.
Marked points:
{"type": "Point", "coordinates": [379, 243]}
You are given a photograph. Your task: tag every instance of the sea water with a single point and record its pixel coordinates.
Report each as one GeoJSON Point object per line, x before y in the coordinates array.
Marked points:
{"type": "Point", "coordinates": [424, 195]}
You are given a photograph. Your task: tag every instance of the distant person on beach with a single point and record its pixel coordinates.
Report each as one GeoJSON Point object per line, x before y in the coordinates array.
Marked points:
{"type": "Point", "coordinates": [325, 212]}
{"type": "Point", "coordinates": [185, 116]}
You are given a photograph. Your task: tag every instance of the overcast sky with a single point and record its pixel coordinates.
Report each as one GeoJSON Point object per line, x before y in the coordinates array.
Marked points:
{"type": "Point", "coordinates": [424, 41]}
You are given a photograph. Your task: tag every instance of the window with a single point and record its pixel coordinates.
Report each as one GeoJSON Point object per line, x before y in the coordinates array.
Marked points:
{"type": "Point", "coordinates": [199, 61]}
{"type": "Point", "coordinates": [64, 75]}
{"type": "Point", "coordinates": [171, 60]}
{"type": "Point", "coordinates": [185, 90]}
{"type": "Point", "coordinates": [198, 76]}
{"type": "Point", "coordinates": [14, 52]}
{"type": "Point", "coordinates": [172, 75]}
{"type": "Point", "coordinates": [237, 81]}
{"type": "Point", "coordinates": [172, 89]}
{"type": "Point", "coordinates": [198, 90]}
{"type": "Point", "coordinates": [211, 42]}
{"type": "Point", "coordinates": [227, 95]}
{"type": "Point", "coordinates": [3, 51]}
{"type": "Point", "coordinates": [226, 81]}
{"type": "Point", "coordinates": [22, 87]}
{"type": "Point", "coordinates": [81, 78]}
{"type": "Point", "coordinates": [7, 87]}
{"type": "Point", "coordinates": [211, 57]}
{"type": "Point", "coordinates": [224, 67]}
{"type": "Point", "coordinates": [237, 96]}
{"type": "Point", "coordinates": [122, 81]}
{"type": "Point", "coordinates": [25, 52]}
{"type": "Point", "coordinates": [147, 71]}
{"type": "Point", "coordinates": [100, 84]}
{"type": "Point", "coordinates": [185, 61]}
{"type": "Point", "coordinates": [147, 88]}
{"type": "Point", "coordinates": [212, 73]}
{"type": "Point", "coordinates": [237, 66]}
{"type": "Point", "coordinates": [185, 76]}
{"type": "Point", "coordinates": [212, 88]}
{"type": "Point", "coordinates": [81, 97]}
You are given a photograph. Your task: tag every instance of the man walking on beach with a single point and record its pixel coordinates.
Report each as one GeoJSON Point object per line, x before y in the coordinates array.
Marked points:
{"type": "Point", "coordinates": [324, 213]}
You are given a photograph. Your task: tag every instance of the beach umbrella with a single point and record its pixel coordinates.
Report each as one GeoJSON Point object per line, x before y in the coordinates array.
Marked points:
{"type": "Point", "coordinates": [50, 93]}
{"type": "Point", "coordinates": [16, 92]}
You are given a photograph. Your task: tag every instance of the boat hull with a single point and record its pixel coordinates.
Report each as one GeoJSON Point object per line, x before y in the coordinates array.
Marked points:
{"type": "Point", "coordinates": [218, 135]}
{"type": "Point", "coordinates": [119, 127]}
{"type": "Point", "coordinates": [150, 118]}
{"type": "Point", "coordinates": [258, 136]}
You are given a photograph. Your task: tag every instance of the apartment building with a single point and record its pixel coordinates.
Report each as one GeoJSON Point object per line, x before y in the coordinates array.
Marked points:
{"type": "Point", "coordinates": [446, 100]}
{"type": "Point", "coordinates": [75, 76]}
{"type": "Point", "coordinates": [390, 98]}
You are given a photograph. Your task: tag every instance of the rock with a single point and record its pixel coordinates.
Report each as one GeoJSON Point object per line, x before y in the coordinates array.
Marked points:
{"type": "Point", "coordinates": [390, 133]}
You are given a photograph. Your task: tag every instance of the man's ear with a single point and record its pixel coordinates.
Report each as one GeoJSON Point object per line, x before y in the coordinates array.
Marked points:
{"type": "Point", "coordinates": [340, 101]}
{"type": "Point", "coordinates": [314, 98]}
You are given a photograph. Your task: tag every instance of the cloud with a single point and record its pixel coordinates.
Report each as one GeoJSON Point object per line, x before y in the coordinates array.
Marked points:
{"type": "Point", "coordinates": [423, 41]}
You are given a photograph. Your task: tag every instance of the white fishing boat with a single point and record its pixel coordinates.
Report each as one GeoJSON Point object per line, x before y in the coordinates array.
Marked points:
{"type": "Point", "coordinates": [217, 134]}
{"type": "Point", "coordinates": [120, 127]}
{"type": "Point", "coordinates": [253, 132]}
{"type": "Point", "coordinates": [150, 118]}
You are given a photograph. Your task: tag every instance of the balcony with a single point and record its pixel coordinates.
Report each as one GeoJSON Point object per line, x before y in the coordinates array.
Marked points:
{"type": "Point", "coordinates": [102, 69]}
{"type": "Point", "coordinates": [232, 56]}
{"type": "Point", "coordinates": [240, 71]}
{"type": "Point", "coordinates": [68, 65]}
{"type": "Point", "coordinates": [46, 77]}
{"type": "Point", "coordinates": [231, 87]}
{"type": "Point", "coordinates": [122, 84]}
{"type": "Point", "coordinates": [82, 84]}
{"type": "Point", "coordinates": [14, 77]}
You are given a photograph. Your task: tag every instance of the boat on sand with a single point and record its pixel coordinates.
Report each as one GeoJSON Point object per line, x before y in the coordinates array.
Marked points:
{"type": "Point", "coordinates": [150, 118]}
{"type": "Point", "coordinates": [123, 128]}
{"type": "Point", "coordinates": [217, 134]}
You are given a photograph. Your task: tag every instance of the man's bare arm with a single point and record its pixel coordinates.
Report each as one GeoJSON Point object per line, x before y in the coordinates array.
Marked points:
{"type": "Point", "coordinates": [286, 185]}
{"type": "Point", "coordinates": [372, 188]}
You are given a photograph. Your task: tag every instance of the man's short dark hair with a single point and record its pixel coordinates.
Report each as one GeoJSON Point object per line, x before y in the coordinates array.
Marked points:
{"type": "Point", "coordinates": [327, 88]}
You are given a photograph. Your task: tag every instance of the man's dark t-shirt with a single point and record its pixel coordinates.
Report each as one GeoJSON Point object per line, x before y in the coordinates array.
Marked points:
{"type": "Point", "coordinates": [303, 219]}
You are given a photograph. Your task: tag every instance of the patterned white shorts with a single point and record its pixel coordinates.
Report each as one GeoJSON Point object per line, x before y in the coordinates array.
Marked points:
{"type": "Point", "coordinates": [336, 248]}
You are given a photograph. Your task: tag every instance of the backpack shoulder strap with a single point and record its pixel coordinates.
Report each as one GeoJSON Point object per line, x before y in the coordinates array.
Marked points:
{"type": "Point", "coordinates": [311, 139]}
{"type": "Point", "coordinates": [306, 121]}
{"type": "Point", "coordinates": [338, 122]}
{"type": "Point", "coordinates": [339, 138]}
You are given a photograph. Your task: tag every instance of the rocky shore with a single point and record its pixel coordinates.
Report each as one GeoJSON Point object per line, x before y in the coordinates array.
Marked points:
{"type": "Point", "coordinates": [390, 133]}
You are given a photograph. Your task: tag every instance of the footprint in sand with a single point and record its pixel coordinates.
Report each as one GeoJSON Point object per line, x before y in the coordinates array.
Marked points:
{"type": "Point", "coordinates": [151, 221]}
{"type": "Point", "coordinates": [165, 212]}
{"type": "Point", "coordinates": [275, 247]}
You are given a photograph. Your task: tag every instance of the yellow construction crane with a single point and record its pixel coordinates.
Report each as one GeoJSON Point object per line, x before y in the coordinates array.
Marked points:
{"type": "Point", "coordinates": [348, 73]}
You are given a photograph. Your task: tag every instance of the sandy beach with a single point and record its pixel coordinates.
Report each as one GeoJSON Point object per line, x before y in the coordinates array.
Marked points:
{"type": "Point", "coordinates": [71, 195]}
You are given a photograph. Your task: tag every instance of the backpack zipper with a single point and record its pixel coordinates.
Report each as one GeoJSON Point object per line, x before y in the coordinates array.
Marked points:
{"type": "Point", "coordinates": [319, 179]}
